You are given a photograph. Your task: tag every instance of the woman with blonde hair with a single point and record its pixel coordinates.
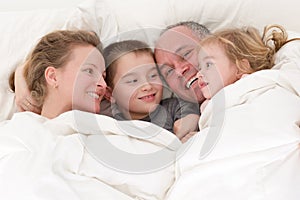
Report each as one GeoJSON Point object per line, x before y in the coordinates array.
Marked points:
{"type": "Point", "coordinates": [65, 71]}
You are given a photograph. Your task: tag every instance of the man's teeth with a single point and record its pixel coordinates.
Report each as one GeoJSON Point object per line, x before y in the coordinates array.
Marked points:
{"type": "Point", "coordinates": [94, 95]}
{"type": "Point", "coordinates": [191, 81]}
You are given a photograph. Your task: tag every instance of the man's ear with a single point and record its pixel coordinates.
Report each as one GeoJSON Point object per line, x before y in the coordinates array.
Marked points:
{"type": "Point", "coordinates": [244, 64]}
{"type": "Point", "coordinates": [108, 95]}
{"type": "Point", "coordinates": [51, 76]}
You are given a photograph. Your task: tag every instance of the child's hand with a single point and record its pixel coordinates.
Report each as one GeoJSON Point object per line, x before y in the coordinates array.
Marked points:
{"type": "Point", "coordinates": [188, 136]}
{"type": "Point", "coordinates": [184, 126]}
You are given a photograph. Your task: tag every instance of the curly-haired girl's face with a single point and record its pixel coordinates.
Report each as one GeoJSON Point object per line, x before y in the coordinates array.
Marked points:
{"type": "Point", "coordinates": [215, 70]}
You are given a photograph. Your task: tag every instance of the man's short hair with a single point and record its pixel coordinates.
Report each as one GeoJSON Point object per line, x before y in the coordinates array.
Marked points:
{"type": "Point", "coordinates": [199, 30]}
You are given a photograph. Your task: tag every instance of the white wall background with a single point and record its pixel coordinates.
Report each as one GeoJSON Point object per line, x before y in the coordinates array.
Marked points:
{"type": "Point", "coordinates": [22, 5]}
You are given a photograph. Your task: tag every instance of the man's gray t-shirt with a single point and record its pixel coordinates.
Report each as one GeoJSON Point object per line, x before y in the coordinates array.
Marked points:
{"type": "Point", "coordinates": [167, 112]}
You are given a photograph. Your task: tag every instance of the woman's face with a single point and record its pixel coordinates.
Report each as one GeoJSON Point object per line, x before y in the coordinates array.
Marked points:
{"type": "Point", "coordinates": [81, 81]}
{"type": "Point", "coordinates": [137, 85]}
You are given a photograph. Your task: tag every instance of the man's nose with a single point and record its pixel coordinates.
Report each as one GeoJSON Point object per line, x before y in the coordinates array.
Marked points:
{"type": "Point", "coordinates": [181, 67]}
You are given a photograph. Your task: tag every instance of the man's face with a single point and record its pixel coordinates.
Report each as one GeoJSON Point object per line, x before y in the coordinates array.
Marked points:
{"type": "Point", "coordinates": [176, 53]}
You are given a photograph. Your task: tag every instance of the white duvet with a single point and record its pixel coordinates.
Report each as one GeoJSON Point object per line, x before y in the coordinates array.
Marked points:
{"type": "Point", "coordinates": [249, 144]}
{"type": "Point", "coordinates": [247, 149]}
{"type": "Point", "coordinates": [84, 156]}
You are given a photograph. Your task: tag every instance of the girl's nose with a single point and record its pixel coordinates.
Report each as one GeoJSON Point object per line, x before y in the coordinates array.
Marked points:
{"type": "Point", "coordinates": [199, 74]}
{"type": "Point", "coordinates": [147, 86]}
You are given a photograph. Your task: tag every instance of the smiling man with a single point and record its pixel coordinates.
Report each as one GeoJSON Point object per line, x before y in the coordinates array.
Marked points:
{"type": "Point", "coordinates": [176, 53]}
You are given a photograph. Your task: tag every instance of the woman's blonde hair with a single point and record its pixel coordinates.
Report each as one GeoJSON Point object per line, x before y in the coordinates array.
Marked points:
{"type": "Point", "coordinates": [247, 43]}
{"type": "Point", "coordinates": [53, 49]}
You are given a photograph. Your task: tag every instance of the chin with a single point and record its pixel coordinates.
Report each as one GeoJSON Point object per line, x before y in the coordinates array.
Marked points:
{"type": "Point", "coordinates": [95, 110]}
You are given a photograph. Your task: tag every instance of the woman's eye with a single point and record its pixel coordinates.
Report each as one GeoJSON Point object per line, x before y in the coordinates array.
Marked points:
{"type": "Point", "coordinates": [89, 70]}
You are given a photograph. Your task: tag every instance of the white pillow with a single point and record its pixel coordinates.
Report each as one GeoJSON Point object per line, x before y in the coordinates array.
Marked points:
{"type": "Point", "coordinates": [217, 14]}
{"type": "Point", "coordinates": [141, 20]}
{"type": "Point", "coordinates": [289, 52]}
{"type": "Point", "coordinates": [145, 19]}
{"type": "Point", "coordinates": [20, 31]}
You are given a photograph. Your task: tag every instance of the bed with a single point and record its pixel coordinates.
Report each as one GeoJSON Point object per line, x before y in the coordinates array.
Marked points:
{"type": "Point", "coordinates": [248, 146]}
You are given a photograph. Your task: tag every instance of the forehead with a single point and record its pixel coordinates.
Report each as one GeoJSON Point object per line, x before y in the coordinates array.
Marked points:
{"type": "Point", "coordinates": [212, 50]}
{"type": "Point", "coordinates": [176, 38]}
{"type": "Point", "coordinates": [135, 61]}
{"type": "Point", "coordinates": [83, 54]}
{"type": "Point", "coordinates": [86, 53]}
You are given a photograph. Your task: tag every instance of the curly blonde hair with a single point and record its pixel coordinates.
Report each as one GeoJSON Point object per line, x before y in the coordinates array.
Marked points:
{"type": "Point", "coordinates": [247, 43]}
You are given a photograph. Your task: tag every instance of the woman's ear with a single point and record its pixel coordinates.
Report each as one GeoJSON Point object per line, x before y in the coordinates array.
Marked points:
{"type": "Point", "coordinates": [245, 66]}
{"type": "Point", "coordinates": [51, 76]}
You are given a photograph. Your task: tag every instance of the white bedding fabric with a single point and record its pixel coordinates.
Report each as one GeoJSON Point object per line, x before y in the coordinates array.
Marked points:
{"type": "Point", "coordinates": [254, 133]}
{"type": "Point", "coordinates": [256, 154]}
{"type": "Point", "coordinates": [49, 159]}
{"type": "Point", "coordinates": [118, 19]}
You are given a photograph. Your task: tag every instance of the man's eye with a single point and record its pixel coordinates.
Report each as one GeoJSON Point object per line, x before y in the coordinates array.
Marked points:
{"type": "Point", "coordinates": [169, 72]}
{"type": "Point", "coordinates": [186, 54]}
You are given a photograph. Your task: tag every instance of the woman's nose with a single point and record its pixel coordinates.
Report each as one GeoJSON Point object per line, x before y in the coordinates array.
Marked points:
{"type": "Point", "coordinates": [101, 82]}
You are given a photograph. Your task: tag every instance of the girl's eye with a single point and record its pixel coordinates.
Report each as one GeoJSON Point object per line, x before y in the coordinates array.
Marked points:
{"type": "Point", "coordinates": [153, 76]}
{"type": "Point", "coordinates": [209, 64]}
{"type": "Point", "coordinates": [131, 81]}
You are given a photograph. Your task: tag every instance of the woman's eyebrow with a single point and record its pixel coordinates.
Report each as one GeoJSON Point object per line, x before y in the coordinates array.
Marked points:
{"type": "Point", "coordinates": [96, 67]}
